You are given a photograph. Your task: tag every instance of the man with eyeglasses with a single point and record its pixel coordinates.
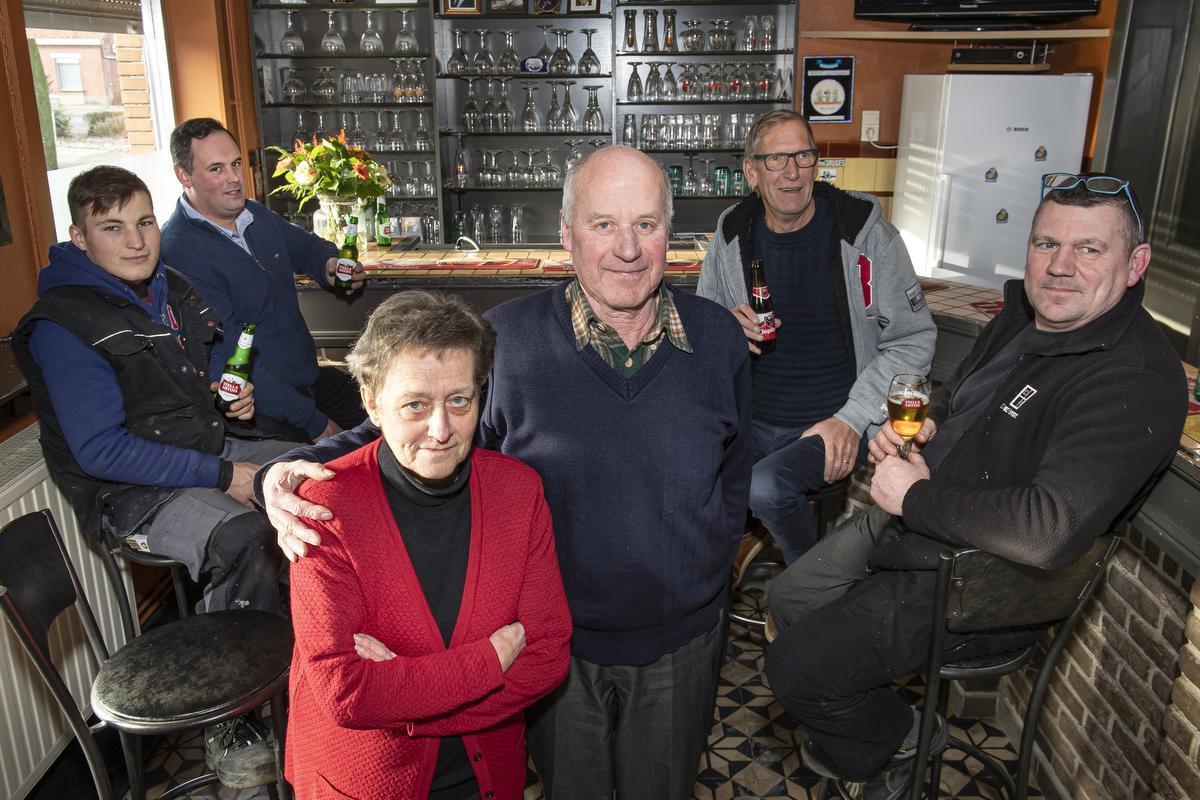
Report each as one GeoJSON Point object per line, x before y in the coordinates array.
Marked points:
{"type": "Point", "coordinates": [1047, 436]}
{"type": "Point", "coordinates": [853, 316]}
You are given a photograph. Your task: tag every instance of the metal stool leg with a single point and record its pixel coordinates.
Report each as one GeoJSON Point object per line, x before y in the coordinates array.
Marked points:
{"type": "Point", "coordinates": [118, 585]}
{"type": "Point", "coordinates": [279, 713]}
{"type": "Point", "coordinates": [131, 746]}
{"type": "Point", "coordinates": [178, 580]}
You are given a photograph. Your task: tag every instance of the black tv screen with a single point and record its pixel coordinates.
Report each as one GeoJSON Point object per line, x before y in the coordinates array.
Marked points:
{"type": "Point", "coordinates": [1011, 13]}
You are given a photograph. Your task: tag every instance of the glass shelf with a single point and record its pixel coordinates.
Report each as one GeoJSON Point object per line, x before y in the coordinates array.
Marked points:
{"type": "Point", "coordinates": [496, 18]}
{"type": "Point", "coordinates": [749, 55]}
{"type": "Point", "coordinates": [338, 6]}
{"type": "Point", "coordinates": [672, 3]}
{"type": "Point", "coordinates": [710, 196]}
{"type": "Point", "coordinates": [692, 150]}
{"type": "Point", "coordinates": [561, 134]}
{"type": "Point", "coordinates": [471, 189]}
{"type": "Point", "coordinates": [345, 56]}
{"type": "Point", "coordinates": [784, 101]}
{"type": "Point", "coordinates": [537, 76]}
{"type": "Point", "coordinates": [332, 106]}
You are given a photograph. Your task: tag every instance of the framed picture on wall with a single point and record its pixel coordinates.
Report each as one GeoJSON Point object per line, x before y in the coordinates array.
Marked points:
{"type": "Point", "coordinates": [463, 7]}
{"type": "Point", "coordinates": [547, 6]}
{"type": "Point", "coordinates": [502, 7]}
{"type": "Point", "coordinates": [583, 6]}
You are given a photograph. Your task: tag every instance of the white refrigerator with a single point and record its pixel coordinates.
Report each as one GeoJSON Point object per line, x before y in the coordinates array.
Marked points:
{"type": "Point", "coordinates": [972, 152]}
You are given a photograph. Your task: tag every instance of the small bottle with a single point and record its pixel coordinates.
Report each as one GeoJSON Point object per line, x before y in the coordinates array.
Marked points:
{"type": "Point", "coordinates": [237, 370]}
{"type": "Point", "coordinates": [764, 309]}
{"type": "Point", "coordinates": [348, 255]}
{"type": "Point", "coordinates": [383, 224]}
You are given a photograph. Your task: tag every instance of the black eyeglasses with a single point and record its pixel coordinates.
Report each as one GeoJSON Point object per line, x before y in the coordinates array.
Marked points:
{"type": "Point", "coordinates": [1100, 184]}
{"type": "Point", "coordinates": [776, 162]}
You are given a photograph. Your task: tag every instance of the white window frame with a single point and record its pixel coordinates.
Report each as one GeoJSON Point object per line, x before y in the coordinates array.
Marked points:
{"type": "Point", "coordinates": [70, 61]}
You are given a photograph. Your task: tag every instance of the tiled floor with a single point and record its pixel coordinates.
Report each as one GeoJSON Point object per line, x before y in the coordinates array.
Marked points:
{"type": "Point", "coordinates": [754, 749]}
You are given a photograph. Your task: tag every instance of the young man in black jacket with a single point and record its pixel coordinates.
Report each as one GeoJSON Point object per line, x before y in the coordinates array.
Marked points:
{"type": "Point", "coordinates": [1017, 457]}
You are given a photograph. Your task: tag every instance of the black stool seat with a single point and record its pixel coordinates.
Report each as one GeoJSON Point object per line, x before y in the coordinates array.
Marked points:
{"type": "Point", "coordinates": [194, 672]}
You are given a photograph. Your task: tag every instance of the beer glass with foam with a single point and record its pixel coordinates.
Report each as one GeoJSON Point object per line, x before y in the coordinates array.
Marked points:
{"type": "Point", "coordinates": [907, 404]}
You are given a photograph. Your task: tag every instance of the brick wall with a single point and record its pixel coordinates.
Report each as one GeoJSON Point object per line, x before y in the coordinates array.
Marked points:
{"type": "Point", "coordinates": [1120, 721]}
{"type": "Point", "coordinates": [135, 94]}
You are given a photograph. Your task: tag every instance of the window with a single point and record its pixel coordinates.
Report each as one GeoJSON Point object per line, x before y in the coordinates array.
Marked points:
{"type": "Point", "coordinates": [66, 69]}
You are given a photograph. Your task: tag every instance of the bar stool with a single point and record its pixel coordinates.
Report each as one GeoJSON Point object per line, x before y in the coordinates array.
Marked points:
{"type": "Point", "coordinates": [114, 546]}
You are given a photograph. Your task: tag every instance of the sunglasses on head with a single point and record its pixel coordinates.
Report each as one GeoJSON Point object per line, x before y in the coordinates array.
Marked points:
{"type": "Point", "coordinates": [1099, 184]}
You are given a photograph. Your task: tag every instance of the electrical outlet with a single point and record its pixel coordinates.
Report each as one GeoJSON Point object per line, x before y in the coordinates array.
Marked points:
{"type": "Point", "coordinates": [870, 126]}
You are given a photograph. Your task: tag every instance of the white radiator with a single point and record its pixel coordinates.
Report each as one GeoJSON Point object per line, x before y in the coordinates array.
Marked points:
{"type": "Point", "coordinates": [32, 729]}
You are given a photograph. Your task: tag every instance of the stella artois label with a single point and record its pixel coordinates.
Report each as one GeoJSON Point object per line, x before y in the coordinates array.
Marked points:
{"type": "Point", "coordinates": [766, 325]}
{"type": "Point", "coordinates": [762, 292]}
{"type": "Point", "coordinates": [345, 269]}
{"type": "Point", "coordinates": [912, 402]}
{"type": "Point", "coordinates": [230, 387]}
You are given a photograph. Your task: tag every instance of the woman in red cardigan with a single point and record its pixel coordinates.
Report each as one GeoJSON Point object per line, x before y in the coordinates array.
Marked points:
{"type": "Point", "coordinates": [433, 613]}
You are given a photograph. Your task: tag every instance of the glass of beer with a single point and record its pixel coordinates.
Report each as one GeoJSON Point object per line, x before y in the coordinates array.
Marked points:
{"type": "Point", "coordinates": [907, 404]}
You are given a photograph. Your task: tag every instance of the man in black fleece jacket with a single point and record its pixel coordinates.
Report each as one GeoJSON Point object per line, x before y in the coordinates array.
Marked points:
{"type": "Point", "coordinates": [1070, 403]}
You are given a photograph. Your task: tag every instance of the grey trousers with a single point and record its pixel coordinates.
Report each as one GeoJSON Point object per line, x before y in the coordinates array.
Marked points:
{"type": "Point", "coordinates": [637, 732]}
{"type": "Point", "coordinates": [223, 544]}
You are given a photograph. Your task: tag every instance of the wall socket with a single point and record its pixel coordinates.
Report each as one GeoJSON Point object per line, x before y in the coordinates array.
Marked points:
{"type": "Point", "coordinates": [870, 126]}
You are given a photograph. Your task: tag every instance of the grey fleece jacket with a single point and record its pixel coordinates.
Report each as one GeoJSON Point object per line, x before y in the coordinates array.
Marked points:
{"type": "Point", "coordinates": [882, 308]}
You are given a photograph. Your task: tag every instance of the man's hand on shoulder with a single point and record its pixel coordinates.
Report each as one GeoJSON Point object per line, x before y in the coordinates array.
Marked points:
{"type": "Point", "coordinates": [746, 317]}
{"type": "Point", "coordinates": [893, 478]}
{"type": "Point", "coordinates": [887, 442]}
{"type": "Point", "coordinates": [841, 447]}
{"type": "Point", "coordinates": [287, 511]}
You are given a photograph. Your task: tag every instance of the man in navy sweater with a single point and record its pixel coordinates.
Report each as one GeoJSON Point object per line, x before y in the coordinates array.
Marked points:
{"type": "Point", "coordinates": [632, 401]}
{"type": "Point", "coordinates": [242, 257]}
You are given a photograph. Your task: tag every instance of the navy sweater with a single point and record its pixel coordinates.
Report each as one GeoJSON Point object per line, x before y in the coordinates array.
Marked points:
{"type": "Point", "coordinates": [258, 288]}
{"type": "Point", "coordinates": [647, 478]}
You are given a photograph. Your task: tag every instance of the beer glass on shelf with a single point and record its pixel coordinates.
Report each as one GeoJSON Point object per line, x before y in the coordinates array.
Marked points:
{"type": "Point", "coordinates": [907, 404]}
{"type": "Point", "coordinates": [370, 42]}
{"type": "Point", "coordinates": [291, 44]}
{"type": "Point", "coordinates": [332, 42]}
{"type": "Point", "coordinates": [630, 37]}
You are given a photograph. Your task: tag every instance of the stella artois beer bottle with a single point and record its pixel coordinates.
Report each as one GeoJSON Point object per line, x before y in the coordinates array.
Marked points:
{"type": "Point", "coordinates": [383, 224]}
{"type": "Point", "coordinates": [760, 301]}
{"type": "Point", "coordinates": [237, 370]}
{"type": "Point", "coordinates": [347, 256]}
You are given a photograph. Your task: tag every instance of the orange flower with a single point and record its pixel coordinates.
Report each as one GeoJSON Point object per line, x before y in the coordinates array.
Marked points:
{"type": "Point", "coordinates": [285, 163]}
{"type": "Point", "coordinates": [362, 171]}
{"type": "Point", "coordinates": [341, 137]}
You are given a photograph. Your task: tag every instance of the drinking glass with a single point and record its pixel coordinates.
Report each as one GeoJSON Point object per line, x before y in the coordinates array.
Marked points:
{"type": "Point", "coordinates": [575, 155]}
{"type": "Point", "coordinates": [302, 132]}
{"type": "Point", "coordinates": [397, 140]}
{"type": "Point", "coordinates": [593, 118]}
{"type": "Point", "coordinates": [478, 224]}
{"type": "Point", "coordinates": [428, 181]}
{"type": "Point", "coordinates": [370, 42]}
{"type": "Point", "coordinates": [485, 62]}
{"type": "Point", "coordinates": [633, 90]}
{"type": "Point", "coordinates": [561, 60]}
{"type": "Point", "coordinates": [325, 88]}
{"type": "Point", "coordinates": [589, 62]}
{"type": "Point", "coordinates": [550, 174]}
{"type": "Point", "coordinates": [707, 186]}
{"type": "Point", "coordinates": [488, 114]}
{"type": "Point", "coordinates": [291, 43]}
{"type": "Point", "coordinates": [692, 37]}
{"type": "Point", "coordinates": [509, 63]}
{"type": "Point", "coordinates": [354, 132]}
{"type": "Point", "coordinates": [530, 121]}
{"type": "Point", "coordinates": [650, 132]}
{"type": "Point", "coordinates": [294, 90]}
{"type": "Point", "coordinates": [332, 42]}
{"type": "Point", "coordinates": [629, 131]}
{"type": "Point", "coordinates": [570, 119]}
{"type": "Point", "coordinates": [545, 53]}
{"type": "Point", "coordinates": [654, 85]}
{"type": "Point", "coordinates": [597, 143]}
{"type": "Point", "coordinates": [457, 63]}
{"type": "Point", "coordinates": [516, 223]}
{"type": "Point", "coordinates": [650, 30]}
{"type": "Point", "coordinates": [420, 88]}
{"type": "Point", "coordinates": [321, 132]}
{"type": "Point", "coordinates": [379, 141]}
{"type": "Point", "coordinates": [495, 224]}
{"type": "Point", "coordinates": [750, 40]}
{"type": "Point", "coordinates": [670, 88]}
{"type": "Point", "coordinates": [554, 116]}
{"type": "Point", "coordinates": [461, 171]}
{"type": "Point", "coordinates": [471, 118]}
{"type": "Point", "coordinates": [630, 36]}
{"type": "Point", "coordinates": [421, 139]}
{"type": "Point", "coordinates": [766, 36]}
{"type": "Point", "coordinates": [907, 405]}
{"type": "Point", "coordinates": [406, 39]}
{"type": "Point", "coordinates": [668, 43]}
{"type": "Point", "coordinates": [504, 113]}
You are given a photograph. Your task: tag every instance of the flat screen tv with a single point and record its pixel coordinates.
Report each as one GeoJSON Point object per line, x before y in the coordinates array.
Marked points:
{"type": "Point", "coordinates": [969, 14]}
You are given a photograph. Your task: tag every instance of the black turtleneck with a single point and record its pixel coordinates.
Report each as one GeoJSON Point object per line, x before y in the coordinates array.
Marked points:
{"type": "Point", "coordinates": [435, 526]}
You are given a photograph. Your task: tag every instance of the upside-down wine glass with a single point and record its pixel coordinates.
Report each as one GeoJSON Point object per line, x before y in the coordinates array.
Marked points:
{"type": "Point", "coordinates": [370, 42]}
{"type": "Point", "coordinates": [291, 44]}
{"type": "Point", "coordinates": [332, 42]}
{"type": "Point", "coordinates": [589, 62]}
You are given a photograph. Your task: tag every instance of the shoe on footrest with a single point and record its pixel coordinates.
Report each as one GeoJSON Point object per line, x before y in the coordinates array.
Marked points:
{"type": "Point", "coordinates": [748, 549]}
{"type": "Point", "coordinates": [238, 751]}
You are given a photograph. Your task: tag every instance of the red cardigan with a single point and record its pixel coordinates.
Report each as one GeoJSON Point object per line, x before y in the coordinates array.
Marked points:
{"type": "Point", "coordinates": [371, 729]}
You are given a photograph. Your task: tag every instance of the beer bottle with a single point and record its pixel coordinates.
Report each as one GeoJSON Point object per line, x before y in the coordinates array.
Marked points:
{"type": "Point", "coordinates": [383, 226]}
{"type": "Point", "coordinates": [347, 255]}
{"type": "Point", "coordinates": [760, 301]}
{"type": "Point", "coordinates": [237, 370]}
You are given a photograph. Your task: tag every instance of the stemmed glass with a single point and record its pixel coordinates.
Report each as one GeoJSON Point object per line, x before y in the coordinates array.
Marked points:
{"type": "Point", "coordinates": [428, 182]}
{"type": "Point", "coordinates": [561, 61]}
{"type": "Point", "coordinates": [324, 88]}
{"type": "Point", "coordinates": [907, 405]}
{"type": "Point", "coordinates": [471, 118]}
{"type": "Point", "coordinates": [633, 91]}
{"type": "Point", "coordinates": [290, 43]}
{"type": "Point", "coordinates": [488, 115]}
{"type": "Point", "coordinates": [294, 90]}
{"type": "Point", "coordinates": [530, 121]}
{"type": "Point", "coordinates": [396, 138]}
{"type": "Point", "coordinates": [332, 42]}
{"type": "Point", "coordinates": [412, 186]}
{"type": "Point", "coordinates": [549, 174]}
{"type": "Point", "coordinates": [545, 53]}
{"type": "Point", "coordinates": [421, 139]}
{"type": "Point", "coordinates": [670, 89]}
{"type": "Point", "coordinates": [690, 183]}
{"type": "Point", "coordinates": [708, 184]}
{"type": "Point", "coordinates": [597, 143]}
{"type": "Point", "coordinates": [321, 132]}
{"type": "Point", "coordinates": [371, 41]}
{"type": "Point", "coordinates": [593, 118]}
{"type": "Point", "coordinates": [569, 118]}
{"type": "Point", "coordinates": [554, 116]}
{"type": "Point", "coordinates": [302, 131]}
{"type": "Point", "coordinates": [504, 113]}
{"type": "Point", "coordinates": [406, 40]}
{"type": "Point", "coordinates": [379, 141]}
{"type": "Point", "coordinates": [509, 63]}
{"type": "Point", "coordinates": [516, 224]}
{"type": "Point", "coordinates": [461, 172]}
{"type": "Point", "coordinates": [485, 62]}
{"type": "Point", "coordinates": [575, 155]}
{"type": "Point", "coordinates": [589, 62]}
{"type": "Point", "coordinates": [654, 84]}
{"type": "Point", "coordinates": [457, 63]}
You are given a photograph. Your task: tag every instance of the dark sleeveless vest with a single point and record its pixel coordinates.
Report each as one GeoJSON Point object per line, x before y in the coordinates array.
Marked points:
{"type": "Point", "coordinates": [164, 385]}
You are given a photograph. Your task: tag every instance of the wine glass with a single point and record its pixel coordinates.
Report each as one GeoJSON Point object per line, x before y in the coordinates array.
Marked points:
{"type": "Point", "coordinates": [370, 42]}
{"type": "Point", "coordinates": [457, 64]}
{"type": "Point", "coordinates": [509, 63]}
{"type": "Point", "coordinates": [593, 118]}
{"type": "Point", "coordinates": [691, 185]}
{"type": "Point", "coordinates": [575, 155]}
{"type": "Point", "coordinates": [461, 170]}
{"type": "Point", "coordinates": [504, 114]}
{"type": "Point", "coordinates": [406, 40]}
{"type": "Point", "coordinates": [530, 121]}
{"type": "Point", "coordinates": [294, 90]}
{"type": "Point", "coordinates": [589, 62]}
{"type": "Point", "coordinates": [569, 118]}
{"type": "Point", "coordinates": [472, 122]}
{"type": "Point", "coordinates": [485, 62]}
{"type": "Point", "coordinates": [290, 43]}
{"type": "Point", "coordinates": [303, 134]}
{"type": "Point", "coordinates": [554, 116]}
{"type": "Point", "coordinates": [633, 90]}
{"type": "Point", "coordinates": [708, 185]}
{"type": "Point", "coordinates": [907, 405]}
{"type": "Point", "coordinates": [561, 61]}
{"type": "Point", "coordinates": [332, 42]}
